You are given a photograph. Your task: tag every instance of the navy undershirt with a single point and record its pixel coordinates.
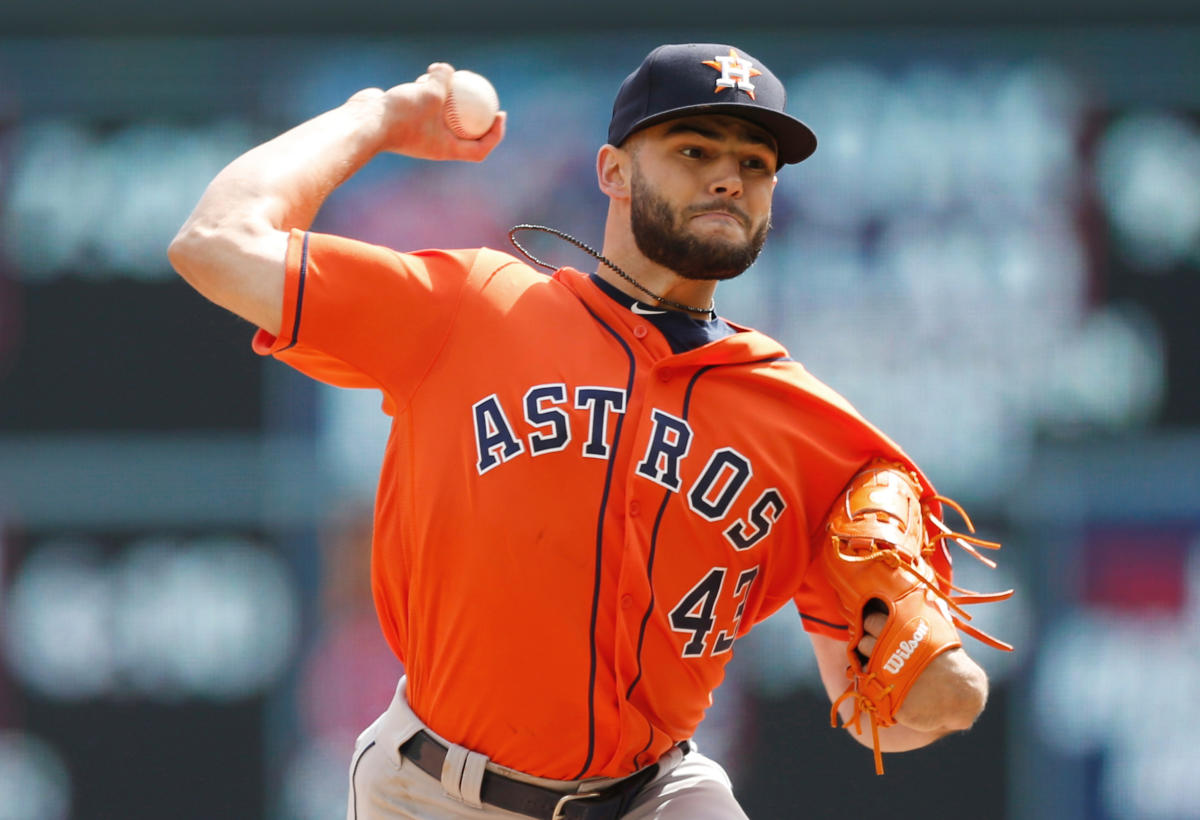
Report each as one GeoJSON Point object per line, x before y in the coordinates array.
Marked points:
{"type": "Point", "coordinates": [683, 332]}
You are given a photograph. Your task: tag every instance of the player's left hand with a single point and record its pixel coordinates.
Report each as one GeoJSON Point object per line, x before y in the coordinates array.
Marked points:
{"type": "Point", "coordinates": [873, 624]}
{"type": "Point", "coordinates": [925, 707]}
{"type": "Point", "coordinates": [880, 559]}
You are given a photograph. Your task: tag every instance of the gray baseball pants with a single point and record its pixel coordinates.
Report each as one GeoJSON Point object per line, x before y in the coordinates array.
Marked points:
{"type": "Point", "coordinates": [385, 786]}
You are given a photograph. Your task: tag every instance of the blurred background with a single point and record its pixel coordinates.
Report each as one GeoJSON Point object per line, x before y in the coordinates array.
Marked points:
{"type": "Point", "coordinates": [995, 254]}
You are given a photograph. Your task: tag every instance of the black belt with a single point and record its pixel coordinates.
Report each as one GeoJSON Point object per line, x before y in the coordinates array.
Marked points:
{"type": "Point", "coordinates": [526, 798]}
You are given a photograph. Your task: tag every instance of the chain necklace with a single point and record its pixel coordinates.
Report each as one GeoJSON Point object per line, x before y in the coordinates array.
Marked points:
{"type": "Point", "coordinates": [711, 310]}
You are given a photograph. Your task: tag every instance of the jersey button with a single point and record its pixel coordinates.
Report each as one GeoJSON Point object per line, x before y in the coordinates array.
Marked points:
{"type": "Point", "coordinates": [626, 601]}
{"type": "Point", "coordinates": [665, 375]}
{"type": "Point", "coordinates": [640, 331]}
{"type": "Point", "coordinates": [635, 508]}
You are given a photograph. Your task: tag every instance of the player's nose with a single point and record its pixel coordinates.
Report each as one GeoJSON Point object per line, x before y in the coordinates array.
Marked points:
{"type": "Point", "coordinates": [727, 178]}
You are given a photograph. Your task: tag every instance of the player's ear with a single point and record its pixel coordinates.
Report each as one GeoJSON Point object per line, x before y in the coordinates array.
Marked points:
{"type": "Point", "coordinates": [614, 169]}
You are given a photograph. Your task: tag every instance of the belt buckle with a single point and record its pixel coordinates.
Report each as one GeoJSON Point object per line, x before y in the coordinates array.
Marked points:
{"type": "Point", "coordinates": [560, 806]}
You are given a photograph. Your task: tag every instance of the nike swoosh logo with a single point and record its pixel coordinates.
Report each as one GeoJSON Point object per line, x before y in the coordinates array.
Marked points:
{"type": "Point", "coordinates": [636, 307]}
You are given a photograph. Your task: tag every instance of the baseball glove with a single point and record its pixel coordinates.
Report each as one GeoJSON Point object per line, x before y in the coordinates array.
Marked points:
{"type": "Point", "coordinates": [886, 552]}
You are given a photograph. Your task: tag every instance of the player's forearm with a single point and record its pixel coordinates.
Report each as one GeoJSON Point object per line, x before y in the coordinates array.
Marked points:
{"type": "Point", "coordinates": [948, 696]}
{"type": "Point", "coordinates": [894, 738]}
{"type": "Point", "coordinates": [232, 247]}
{"type": "Point", "coordinates": [282, 183]}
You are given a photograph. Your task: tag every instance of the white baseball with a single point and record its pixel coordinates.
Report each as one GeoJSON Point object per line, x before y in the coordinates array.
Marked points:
{"type": "Point", "coordinates": [471, 105]}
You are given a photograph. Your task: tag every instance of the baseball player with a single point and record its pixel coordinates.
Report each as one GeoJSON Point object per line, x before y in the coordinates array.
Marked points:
{"type": "Point", "coordinates": [594, 484]}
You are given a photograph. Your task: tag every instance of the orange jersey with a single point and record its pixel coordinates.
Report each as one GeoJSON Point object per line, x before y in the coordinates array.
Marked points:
{"type": "Point", "coordinates": [573, 523]}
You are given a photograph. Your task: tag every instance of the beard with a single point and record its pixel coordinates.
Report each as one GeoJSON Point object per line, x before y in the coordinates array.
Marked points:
{"type": "Point", "coordinates": [661, 236]}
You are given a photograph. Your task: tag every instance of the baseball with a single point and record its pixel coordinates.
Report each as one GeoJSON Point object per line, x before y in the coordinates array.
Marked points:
{"type": "Point", "coordinates": [471, 105]}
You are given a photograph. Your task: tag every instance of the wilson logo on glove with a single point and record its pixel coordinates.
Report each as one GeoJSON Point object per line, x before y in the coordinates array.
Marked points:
{"type": "Point", "coordinates": [896, 662]}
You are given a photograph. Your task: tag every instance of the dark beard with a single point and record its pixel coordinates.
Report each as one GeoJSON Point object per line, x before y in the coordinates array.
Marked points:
{"type": "Point", "coordinates": [662, 240]}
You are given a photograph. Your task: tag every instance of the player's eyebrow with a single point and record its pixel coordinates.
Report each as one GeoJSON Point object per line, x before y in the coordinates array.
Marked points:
{"type": "Point", "coordinates": [745, 132]}
{"type": "Point", "coordinates": [692, 128]}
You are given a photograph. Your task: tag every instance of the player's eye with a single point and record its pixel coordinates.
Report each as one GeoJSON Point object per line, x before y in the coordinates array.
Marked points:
{"type": "Point", "coordinates": [692, 152]}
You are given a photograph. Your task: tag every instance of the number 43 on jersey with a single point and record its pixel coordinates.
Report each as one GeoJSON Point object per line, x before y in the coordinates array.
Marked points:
{"type": "Point", "coordinates": [697, 613]}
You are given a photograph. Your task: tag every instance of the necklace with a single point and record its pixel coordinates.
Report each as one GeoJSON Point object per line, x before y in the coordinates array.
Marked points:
{"type": "Point", "coordinates": [662, 300]}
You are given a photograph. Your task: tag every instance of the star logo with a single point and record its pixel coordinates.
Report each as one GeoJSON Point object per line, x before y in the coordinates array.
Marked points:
{"type": "Point", "coordinates": [735, 72]}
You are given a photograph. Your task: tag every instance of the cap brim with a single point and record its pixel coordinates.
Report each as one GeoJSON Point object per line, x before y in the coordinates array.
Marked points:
{"type": "Point", "coordinates": [795, 141]}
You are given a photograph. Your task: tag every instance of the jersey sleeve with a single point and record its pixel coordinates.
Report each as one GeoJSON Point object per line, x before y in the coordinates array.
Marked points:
{"type": "Point", "coordinates": [819, 610]}
{"type": "Point", "coordinates": [361, 315]}
{"type": "Point", "coordinates": [840, 443]}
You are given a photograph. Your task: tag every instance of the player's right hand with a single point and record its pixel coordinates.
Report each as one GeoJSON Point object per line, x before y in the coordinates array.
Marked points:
{"type": "Point", "coordinates": [412, 121]}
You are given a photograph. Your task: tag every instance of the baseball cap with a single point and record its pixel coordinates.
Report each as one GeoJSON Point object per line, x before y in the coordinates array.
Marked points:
{"type": "Point", "coordinates": [682, 80]}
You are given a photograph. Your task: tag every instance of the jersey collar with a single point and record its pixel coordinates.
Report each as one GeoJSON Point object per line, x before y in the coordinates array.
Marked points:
{"type": "Point", "coordinates": [745, 345]}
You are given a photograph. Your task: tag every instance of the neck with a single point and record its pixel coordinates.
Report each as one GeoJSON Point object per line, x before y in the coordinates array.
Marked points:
{"type": "Point", "coordinates": [655, 284]}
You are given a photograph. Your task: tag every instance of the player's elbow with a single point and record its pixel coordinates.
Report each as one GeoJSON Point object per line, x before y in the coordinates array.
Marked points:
{"type": "Point", "coordinates": [194, 253]}
{"type": "Point", "coordinates": [198, 256]}
{"type": "Point", "coordinates": [177, 254]}
{"type": "Point", "coordinates": [186, 254]}
{"type": "Point", "coordinates": [219, 260]}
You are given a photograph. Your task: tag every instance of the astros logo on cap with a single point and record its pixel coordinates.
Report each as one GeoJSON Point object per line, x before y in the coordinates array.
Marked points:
{"type": "Point", "coordinates": [735, 72]}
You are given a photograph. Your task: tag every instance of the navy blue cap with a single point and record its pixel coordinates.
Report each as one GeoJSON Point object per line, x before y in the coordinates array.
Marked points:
{"type": "Point", "coordinates": [705, 78]}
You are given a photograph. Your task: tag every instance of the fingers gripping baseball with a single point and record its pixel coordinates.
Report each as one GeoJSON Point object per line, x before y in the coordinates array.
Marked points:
{"type": "Point", "coordinates": [415, 125]}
